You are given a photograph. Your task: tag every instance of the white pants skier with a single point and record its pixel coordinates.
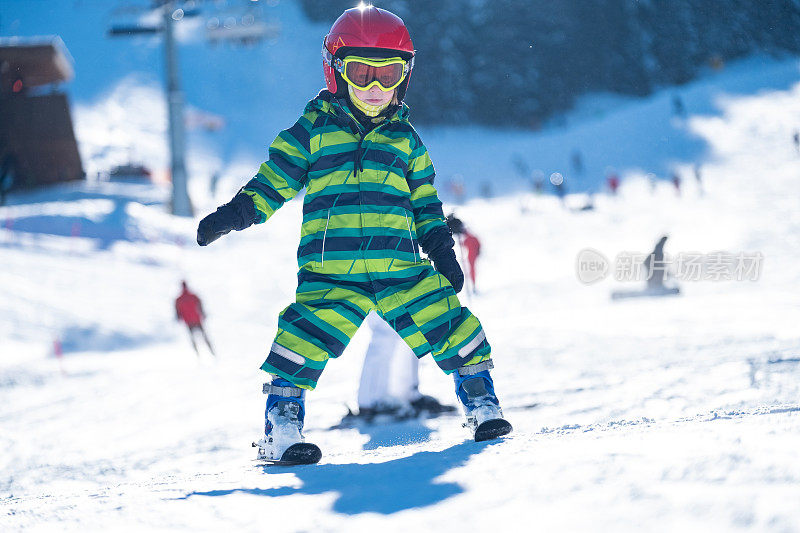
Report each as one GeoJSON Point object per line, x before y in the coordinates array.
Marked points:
{"type": "Point", "coordinates": [390, 376]}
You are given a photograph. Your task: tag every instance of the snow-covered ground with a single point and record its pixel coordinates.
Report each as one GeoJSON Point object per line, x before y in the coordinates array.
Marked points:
{"type": "Point", "coordinates": [667, 414]}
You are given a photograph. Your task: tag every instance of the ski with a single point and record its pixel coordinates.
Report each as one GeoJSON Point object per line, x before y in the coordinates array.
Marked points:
{"type": "Point", "coordinates": [492, 429]}
{"type": "Point", "coordinates": [646, 293]}
{"type": "Point", "coordinates": [301, 453]}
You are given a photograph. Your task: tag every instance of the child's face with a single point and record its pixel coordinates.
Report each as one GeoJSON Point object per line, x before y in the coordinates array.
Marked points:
{"type": "Point", "coordinates": [374, 96]}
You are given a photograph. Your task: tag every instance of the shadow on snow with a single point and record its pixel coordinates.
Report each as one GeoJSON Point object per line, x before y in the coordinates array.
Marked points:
{"type": "Point", "coordinates": [386, 488]}
{"type": "Point", "coordinates": [111, 225]}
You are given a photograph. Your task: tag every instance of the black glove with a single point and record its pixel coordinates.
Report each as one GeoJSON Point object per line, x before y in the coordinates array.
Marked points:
{"type": "Point", "coordinates": [237, 214]}
{"type": "Point", "coordinates": [438, 244]}
{"type": "Point", "coordinates": [446, 264]}
{"type": "Point", "coordinates": [455, 224]}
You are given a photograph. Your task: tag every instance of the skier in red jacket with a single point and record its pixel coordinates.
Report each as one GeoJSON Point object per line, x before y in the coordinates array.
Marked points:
{"type": "Point", "coordinates": [189, 309]}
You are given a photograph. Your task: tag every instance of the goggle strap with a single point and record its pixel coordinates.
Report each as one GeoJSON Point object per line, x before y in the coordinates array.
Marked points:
{"type": "Point", "coordinates": [338, 64]}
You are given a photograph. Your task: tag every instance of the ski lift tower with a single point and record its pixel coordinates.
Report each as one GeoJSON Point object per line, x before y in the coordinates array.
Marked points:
{"type": "Point", "coordinates": [180, 204]}
{"type": "Point", "coordinates": [244, 28]}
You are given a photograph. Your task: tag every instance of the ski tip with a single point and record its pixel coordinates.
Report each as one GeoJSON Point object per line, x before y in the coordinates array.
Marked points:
{"type": "Point", "coordinates": [301, 453]}
{"type": "Point", "coordinates": [492, 429]}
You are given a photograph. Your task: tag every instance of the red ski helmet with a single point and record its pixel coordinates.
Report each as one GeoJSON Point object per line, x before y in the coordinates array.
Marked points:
{"type": "Point", "coordinates": [369, 31]}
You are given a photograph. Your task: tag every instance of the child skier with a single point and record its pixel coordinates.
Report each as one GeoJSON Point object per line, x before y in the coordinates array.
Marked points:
{"type": "Point", "coordinates": [369, 207]}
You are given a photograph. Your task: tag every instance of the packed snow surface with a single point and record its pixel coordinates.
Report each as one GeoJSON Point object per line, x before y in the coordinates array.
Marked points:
{"type": "Point", "coordinates": [673, 414]}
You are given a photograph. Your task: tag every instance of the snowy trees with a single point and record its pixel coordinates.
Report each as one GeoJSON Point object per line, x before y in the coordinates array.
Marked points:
{"type": "Point", "coordinates": [517, 62]}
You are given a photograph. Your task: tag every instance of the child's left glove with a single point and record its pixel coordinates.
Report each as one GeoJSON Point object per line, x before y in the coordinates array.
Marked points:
{"type": "Point", "coordinates": [238, 214]}
{"type": "Point", "coordinates": [438, 244]}
{"type": "Point", "coordinates": [446, 264]}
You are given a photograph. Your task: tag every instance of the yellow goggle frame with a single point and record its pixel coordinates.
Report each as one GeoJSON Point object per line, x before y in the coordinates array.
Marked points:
{"type": "Point", "coordinates": [340, 65]}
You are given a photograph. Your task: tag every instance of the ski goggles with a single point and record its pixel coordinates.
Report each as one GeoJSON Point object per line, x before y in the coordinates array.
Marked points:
{"type": "Point", "coordinates": [364, 73]}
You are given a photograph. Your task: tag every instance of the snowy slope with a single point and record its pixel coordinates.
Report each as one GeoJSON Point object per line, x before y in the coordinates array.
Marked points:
{"type": "Point", "coordinates": [676, 414]}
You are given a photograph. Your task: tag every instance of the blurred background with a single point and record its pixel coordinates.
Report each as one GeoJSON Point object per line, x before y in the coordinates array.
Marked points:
{"type": "Point", "coordinates": [246, 68]}
{"type": "Point", "coordinates": [568, 136]}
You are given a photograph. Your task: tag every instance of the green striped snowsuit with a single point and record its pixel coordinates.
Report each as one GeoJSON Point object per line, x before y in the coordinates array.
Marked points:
{"type": "Point", "coordinates": [369, 200]}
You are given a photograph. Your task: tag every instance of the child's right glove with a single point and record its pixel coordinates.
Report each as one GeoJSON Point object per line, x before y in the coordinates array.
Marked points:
{"type": "Point", "coordinates": [438, 244]}
{"type": "Point", "coordinates": [238, 214]}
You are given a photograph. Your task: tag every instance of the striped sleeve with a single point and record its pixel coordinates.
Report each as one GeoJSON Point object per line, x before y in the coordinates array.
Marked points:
{"type": "Point", "coordinates": [424, 198]}
{"type": "Point", "coordinates": [285, 173]}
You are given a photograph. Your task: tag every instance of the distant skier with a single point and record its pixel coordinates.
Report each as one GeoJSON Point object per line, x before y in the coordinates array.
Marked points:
{"type": "Point", "coordinates": [796, 138]}
{"type": "Point", "coordinates": [676, 182]}
{"type": "Point", "coordinates": [698, 177]}
{"type": "Point", "coordinates": [537, 182]}
{"type": "Point", "coordinates": [466, 241]}
{"type": "Point", "coordinates": [652, 179]}
{"type": "Point", "coordinates": [521, 166]}
{"type": "Point", "coordinates": [612, 179]}
{"type": "Point", "coordinates": [213, 184]}
{"type": "Point", "coordinates": [655, 267]}
{"type": "Point", "coordinates": [189, 309]}
{"type": "Point", "coordinates": [576, 158]}
{"type": "Point", "coordinates": [678, 109]}
{"type": "Point", "coordinates": [369, 207]}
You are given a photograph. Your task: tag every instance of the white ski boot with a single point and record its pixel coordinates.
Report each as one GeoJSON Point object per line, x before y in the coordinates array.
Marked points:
{"type": "Point", "coordinates": [283, 441]}
{"type": "Point", "coordinates": [475, 391]}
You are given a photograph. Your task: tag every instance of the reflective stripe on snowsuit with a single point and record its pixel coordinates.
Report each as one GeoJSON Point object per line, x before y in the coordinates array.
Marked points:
{"type": "Point", "coordinates": [369, 201]}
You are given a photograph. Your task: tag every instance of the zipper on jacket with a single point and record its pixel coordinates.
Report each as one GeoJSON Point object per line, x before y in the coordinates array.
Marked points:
{"type": "Point", "coordinates": [324, 235]}
{"type": "Point", "coordinates": [359, 155]}
{"type": "Point", "coordinates": [411, 236]}
{"type": "Point", "coordinates": [358, 165]}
